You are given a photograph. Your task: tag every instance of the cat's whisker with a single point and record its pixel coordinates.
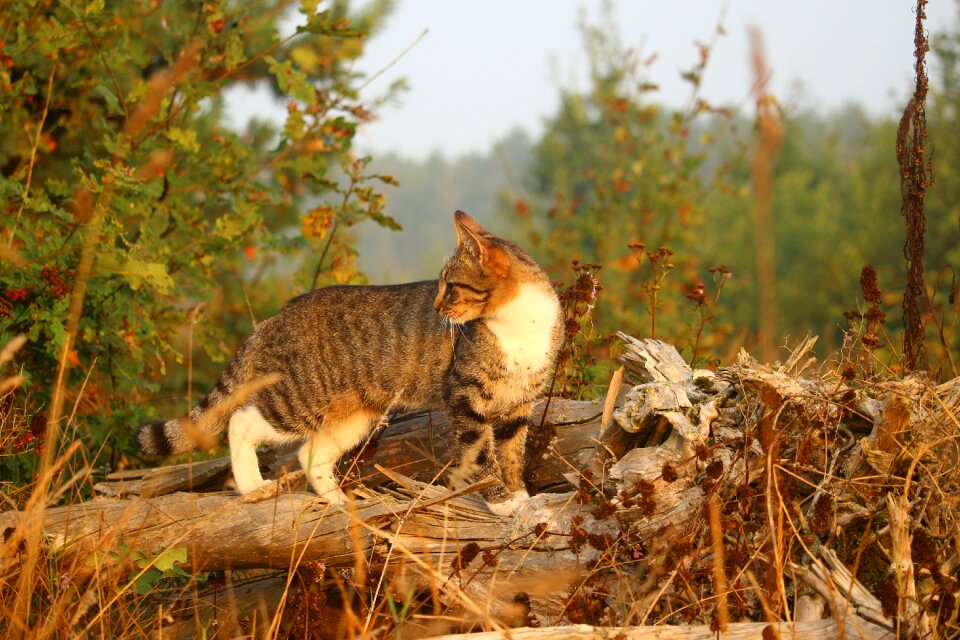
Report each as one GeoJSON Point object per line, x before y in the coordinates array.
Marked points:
{"type": "Point", "coordinates": [448, 327]}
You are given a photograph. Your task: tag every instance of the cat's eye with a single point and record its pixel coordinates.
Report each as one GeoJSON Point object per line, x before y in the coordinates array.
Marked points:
{"type": "Point", "coordinates": [462, 285]}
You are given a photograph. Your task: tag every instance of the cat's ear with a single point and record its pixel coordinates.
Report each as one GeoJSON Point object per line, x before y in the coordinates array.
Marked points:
{"type": "Point", "coordinates": [472, 236]}
{"type": "Point", "coordinates": [466, 227]}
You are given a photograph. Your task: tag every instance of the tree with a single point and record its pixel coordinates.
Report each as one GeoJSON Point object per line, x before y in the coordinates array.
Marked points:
{"type": "Point", "coordinates": [618, 180]}
{"type": "Point", "coordinates": [128, 197]}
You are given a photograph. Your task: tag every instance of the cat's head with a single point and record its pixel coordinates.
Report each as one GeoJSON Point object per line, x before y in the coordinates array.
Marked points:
{"type": "Point", "coordinates": [483, 274]}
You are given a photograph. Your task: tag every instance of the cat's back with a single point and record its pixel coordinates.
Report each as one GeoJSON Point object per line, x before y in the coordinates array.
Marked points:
{"type": "Point", "coordinates": [386, 340]}
{"type": "Point", "coordinates": [387, 318]}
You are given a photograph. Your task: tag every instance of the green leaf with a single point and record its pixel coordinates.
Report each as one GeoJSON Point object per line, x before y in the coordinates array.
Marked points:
{"type": "Point", "coordinates": [309, 7]}
{"type": "Point", "coordinates": [230, 226]}
{"type": "Point", "coordinates": [59, 332]}
{"type": "Point", "coordinates": [291, 81]}
{"type": "Point", "coordinates": [306, 58]}
{"type": "Point", "coordinates": [146, 581]}
{"type": "Point", "coordinates": [321, 24]}
{"type": "Point", "coordinates": [166, 560]}
{"type": "Point", "coordinates": [93, 7]}
{"type": "Point", "coordinates": [384, 220]}
{"type": "Point", "coordinates": [107, 93]}
{"type": "Point", "coordinates": [293, 127]}
{"type": "Point", "coordinates": [235, 53]}
{"type": "Point", "coordinates": [137, 273]}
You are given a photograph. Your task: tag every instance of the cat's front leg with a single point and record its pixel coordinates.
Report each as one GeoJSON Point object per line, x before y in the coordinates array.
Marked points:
{"type": "Point", "coordinates": [510, 438]}
{"type": "Point", "coordinates": [318, 459]}
{"type": "Point", "coordinates": [476, 454]}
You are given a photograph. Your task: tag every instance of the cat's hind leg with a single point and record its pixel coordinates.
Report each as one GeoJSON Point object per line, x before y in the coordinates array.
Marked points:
{"type": "Point", "coordinates": [320, 453]}
{"type": "Point", "coordinates": [249, 429]}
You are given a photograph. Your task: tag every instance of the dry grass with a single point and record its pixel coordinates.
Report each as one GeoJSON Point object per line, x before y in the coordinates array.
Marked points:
{"type": "Point", "coordinates": [803, 469]}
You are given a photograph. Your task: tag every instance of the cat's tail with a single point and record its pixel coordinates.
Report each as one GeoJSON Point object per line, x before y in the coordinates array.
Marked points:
{"type": "Point", "coordinates": [208, 418]}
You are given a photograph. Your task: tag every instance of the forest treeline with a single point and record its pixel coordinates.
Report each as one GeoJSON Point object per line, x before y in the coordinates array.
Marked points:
{"type": "Point", "coordinates": [616, 176]}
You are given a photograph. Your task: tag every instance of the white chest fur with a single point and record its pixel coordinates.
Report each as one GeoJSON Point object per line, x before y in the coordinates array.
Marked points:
{"type": "Point", "coordinates": [524, 328]}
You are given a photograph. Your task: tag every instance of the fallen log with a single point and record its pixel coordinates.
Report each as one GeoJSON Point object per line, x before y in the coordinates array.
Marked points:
{"type": "Point", "coordinates": [829, 629]}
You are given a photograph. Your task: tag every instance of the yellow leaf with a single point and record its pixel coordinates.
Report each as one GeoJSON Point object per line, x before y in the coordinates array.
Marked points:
{"type": "Point", "coordinates": [306, 58]}
{"type": "Point", "coordinates": [136, 272]}
{"type": "Point", "coordinates": [185, 139]}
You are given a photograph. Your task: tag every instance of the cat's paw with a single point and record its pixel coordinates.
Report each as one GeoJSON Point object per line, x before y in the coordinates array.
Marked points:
{"type": "Point", "coordinates": [333, 496]}
{"type": "Point", "coordinates": [509, 506]}
{"type": "Point", "coordinates": [327, 489]}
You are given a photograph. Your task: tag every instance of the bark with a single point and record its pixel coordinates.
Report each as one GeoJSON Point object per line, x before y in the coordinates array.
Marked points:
{"type": "Point", "coordinates": [830, 629]}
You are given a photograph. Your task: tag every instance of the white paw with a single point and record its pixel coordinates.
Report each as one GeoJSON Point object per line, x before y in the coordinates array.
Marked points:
{"type": "Point", "coordinates": [246, 480]}
{"type": "Point", "coordinates": [509, 506]}
{"type": "Point", "coordinates": [333, 496]}
{"type": "Point", "coordinates": [328, 490]}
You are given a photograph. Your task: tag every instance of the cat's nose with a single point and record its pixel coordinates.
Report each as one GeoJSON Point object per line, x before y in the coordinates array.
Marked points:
{"type": "Point", "coordinates": [438, 302]}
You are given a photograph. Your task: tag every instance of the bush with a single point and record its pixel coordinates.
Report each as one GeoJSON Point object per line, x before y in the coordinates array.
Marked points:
{"type": "Point", "coordinates": [128, 198]}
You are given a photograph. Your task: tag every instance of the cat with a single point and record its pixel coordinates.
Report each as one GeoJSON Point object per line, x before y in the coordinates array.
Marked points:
{"type": "Point", "coordinates": [480, 344]}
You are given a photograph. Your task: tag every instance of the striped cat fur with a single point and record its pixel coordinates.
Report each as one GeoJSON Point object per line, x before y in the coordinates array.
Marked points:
{"type": "Point", "coordinates": [480, 344]}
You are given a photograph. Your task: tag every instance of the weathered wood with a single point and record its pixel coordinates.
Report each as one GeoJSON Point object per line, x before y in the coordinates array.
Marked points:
{"type": "Point", "coordinates": [834, 583]}
{"type": "Point", "coordinates": [164, 480]}
{"type": "Point", "coordinates": [416, 522]}
{"type": "Point", "coordinates": [849, 628]}
{"type": "Point", "coordinates": [653, 360]}
{"type": "Point", "coordinates": [900, 539]}
{"type": "Point", "coordinates": [809, 608]}
{"type": "Point", "coordinates": [220, 611]}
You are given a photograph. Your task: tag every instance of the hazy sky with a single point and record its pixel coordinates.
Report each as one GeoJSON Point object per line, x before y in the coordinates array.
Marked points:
{"type": "Point", "coordinates": [486, 66]}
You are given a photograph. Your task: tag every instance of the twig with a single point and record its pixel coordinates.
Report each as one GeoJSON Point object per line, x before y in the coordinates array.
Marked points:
{"type": "Point", "coordinates": [113, 77]}
{"type": "Point", "coordinates": [33, 157]}
{"type": "Point", "coordinates": [323, 255]}
{"type": "Point", "coordinates": [192, 321]}
{"type": "Point", "coordinates": [394, 61]}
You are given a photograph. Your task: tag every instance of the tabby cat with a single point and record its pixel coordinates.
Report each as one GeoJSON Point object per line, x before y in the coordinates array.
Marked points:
{"type": "Point", "coordinates": [479, 344]}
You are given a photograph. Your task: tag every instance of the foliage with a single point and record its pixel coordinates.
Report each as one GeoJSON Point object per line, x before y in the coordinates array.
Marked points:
{"type": "Point", "coordinates": [146, 572]}
{"type": "Point", "coordinates": [614, 170]}
{"type": "Point", "coordinates": [575, 374]}
{"type": "Point", "coordinates": [118, 138]}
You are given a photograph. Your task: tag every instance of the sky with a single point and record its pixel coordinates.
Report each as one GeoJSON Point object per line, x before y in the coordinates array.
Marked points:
{"type": "Point", "coordinates": [487, 66]}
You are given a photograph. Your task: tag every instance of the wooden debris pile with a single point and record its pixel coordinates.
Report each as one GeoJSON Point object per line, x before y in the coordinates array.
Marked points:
{"type": "Point", "coordinates": [820, 494]}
